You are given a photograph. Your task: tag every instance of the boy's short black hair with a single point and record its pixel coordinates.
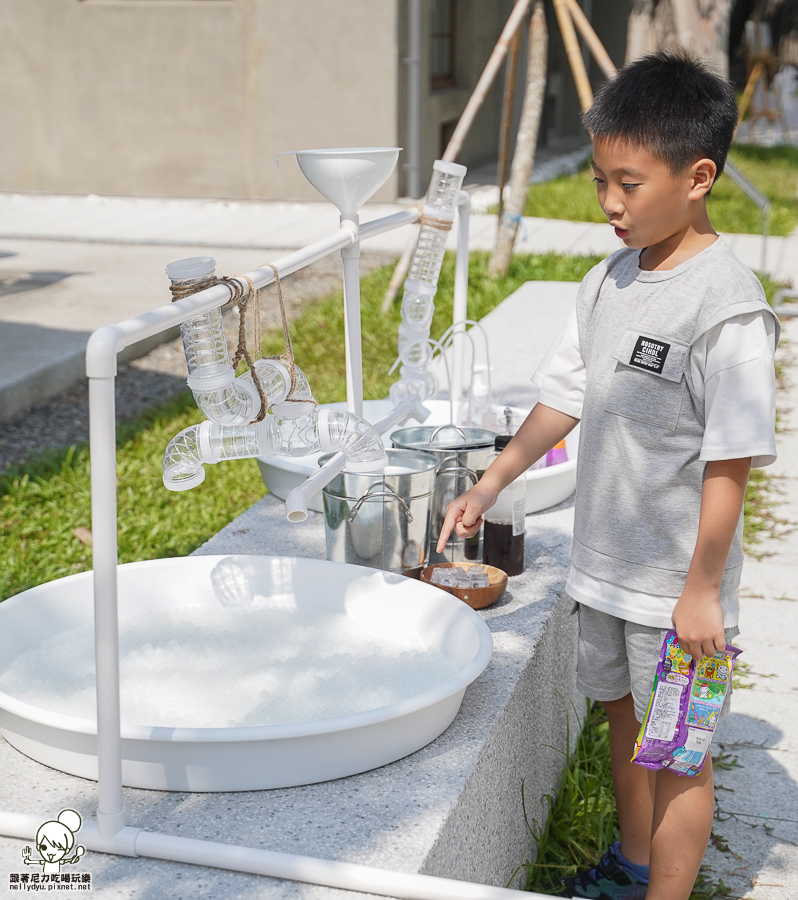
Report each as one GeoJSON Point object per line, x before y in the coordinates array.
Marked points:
{"type": "Point", "coordinates": [671, 104]}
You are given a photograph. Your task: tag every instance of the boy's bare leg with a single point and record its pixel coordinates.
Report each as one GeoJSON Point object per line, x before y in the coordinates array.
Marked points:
{"type": "Point", "coordinates": [634, 785]}
{"type": "Point", "coordinates": [683, 812]}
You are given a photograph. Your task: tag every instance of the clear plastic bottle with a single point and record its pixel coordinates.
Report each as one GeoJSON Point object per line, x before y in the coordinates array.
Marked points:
{"type": "Point", "coordinates": [204, 341]}
{"type": "Point", "coordinates": [322, 430]}
{"type": "Point", "coordinates": [418, 298]}
{"type": "Point", "coordinates": [503, 545]}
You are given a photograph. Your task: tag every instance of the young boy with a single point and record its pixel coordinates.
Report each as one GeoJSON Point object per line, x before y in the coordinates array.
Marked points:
{"type": "Point", "coordinates": [667, 362]}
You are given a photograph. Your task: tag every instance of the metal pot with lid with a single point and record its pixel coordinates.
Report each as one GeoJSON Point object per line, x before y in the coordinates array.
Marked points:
{"type": "Point", "coordinates": [463, 453]}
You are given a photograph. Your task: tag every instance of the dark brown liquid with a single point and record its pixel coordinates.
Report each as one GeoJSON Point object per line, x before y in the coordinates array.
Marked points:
{"type": "Point", "coordinates": [503, 549]}
{"type": "Point", "coordinates": [471, 546]}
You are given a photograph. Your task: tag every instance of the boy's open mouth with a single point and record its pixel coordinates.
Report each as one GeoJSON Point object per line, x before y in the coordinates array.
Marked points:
{"type": "Point", "coordinates": [622, 233]}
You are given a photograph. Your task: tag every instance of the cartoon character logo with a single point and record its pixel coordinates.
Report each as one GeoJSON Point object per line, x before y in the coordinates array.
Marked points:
{"type": "Point", "coordinates": [723, 672]}
{"type": "Point", "coordinates": [54, 841]}
{"type": "Point", "coordinates": [703, 692]}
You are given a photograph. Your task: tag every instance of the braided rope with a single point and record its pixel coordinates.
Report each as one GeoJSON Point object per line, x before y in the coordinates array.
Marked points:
{"type": "Point", "coordinates": [239, 298]}
{"type": "Point", "coordinates": [434, 221]}
{"type": "Point", "coordinates": [287, 358]}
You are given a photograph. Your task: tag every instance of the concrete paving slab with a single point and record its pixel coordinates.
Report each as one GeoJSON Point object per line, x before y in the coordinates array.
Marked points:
{"type": "Point", "coordinates": [758, 801]}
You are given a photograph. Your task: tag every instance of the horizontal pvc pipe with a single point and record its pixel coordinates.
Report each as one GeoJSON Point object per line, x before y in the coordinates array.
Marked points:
{"type": "Point", "coordinates": [308, 869]}
{"type": "Point", "coordinates": [349, 876]}
{"type": "Point", "coordinates": [389, 223]}
{"type": "Point", "coordinates": [106, 342]}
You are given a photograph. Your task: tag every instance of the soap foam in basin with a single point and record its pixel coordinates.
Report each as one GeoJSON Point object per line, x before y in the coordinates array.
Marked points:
{"type": "Point", "coordinates": [228, 667]}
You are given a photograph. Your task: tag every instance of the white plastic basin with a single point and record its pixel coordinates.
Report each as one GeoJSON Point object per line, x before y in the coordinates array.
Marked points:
{"type": "Point", "coordinates": [248, 758]}
{"type": "Point", "coordinates": [544, 487]}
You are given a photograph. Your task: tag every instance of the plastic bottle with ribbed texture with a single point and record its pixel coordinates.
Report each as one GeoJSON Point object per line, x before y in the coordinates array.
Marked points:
{"type": "Point", "coordinates": [322, 430]}
{"type": "Point", "coordinates": [418, 299]}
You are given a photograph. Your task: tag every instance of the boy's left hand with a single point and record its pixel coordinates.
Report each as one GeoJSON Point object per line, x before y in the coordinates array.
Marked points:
{"type": "Point", "coordinates": [698, 620]}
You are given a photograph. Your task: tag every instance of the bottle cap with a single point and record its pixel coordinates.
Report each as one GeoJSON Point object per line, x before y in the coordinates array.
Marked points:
{"type": "Point", "coordinates": [501, 441]}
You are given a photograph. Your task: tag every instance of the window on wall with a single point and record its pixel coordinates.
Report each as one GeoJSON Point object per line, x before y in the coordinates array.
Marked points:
{"type": "Point", "coordinates": [444, 14]}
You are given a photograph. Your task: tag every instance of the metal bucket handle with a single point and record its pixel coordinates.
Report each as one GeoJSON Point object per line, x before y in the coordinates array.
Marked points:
{"type": "Point", "coordinates": [385, 491]}
{"type": "Point", "coordinates": [457, 467]}
{"type": "Point", "coordinates": [441, 428]}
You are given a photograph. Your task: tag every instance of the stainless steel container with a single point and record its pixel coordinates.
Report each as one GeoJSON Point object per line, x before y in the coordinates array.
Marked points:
{"type": "Point", "coordinates": [382, 520]}
{"type": "Point", "coordinates": [462, 455]}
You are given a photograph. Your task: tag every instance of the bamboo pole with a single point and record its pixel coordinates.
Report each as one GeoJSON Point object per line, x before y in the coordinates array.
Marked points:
{"type": "Point", "coordinates": [473, 106]}
{"type": "Point", "coordinates": [486, 79]}
{"type": "Point", "coordinates": [574, 54]}
{"type": "Point", "coordinates": [757, 71]}
{"type": "Point", "coordinates": [508, 101]}
{"type": "Point", "coordinates": [526, 142]}
{"type": "Point", "coordinates": [592, 40]}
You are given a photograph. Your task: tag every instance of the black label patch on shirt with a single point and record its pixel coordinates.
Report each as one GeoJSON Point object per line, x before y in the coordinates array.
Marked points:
{"type": "Point", "coordinates": [649, 354]}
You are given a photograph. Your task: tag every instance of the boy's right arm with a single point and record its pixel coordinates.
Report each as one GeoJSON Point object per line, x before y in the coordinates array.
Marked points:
{"type": "Point", "coordinates": [543, 428]}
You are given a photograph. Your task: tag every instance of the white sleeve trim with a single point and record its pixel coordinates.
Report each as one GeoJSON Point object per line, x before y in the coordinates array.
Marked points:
{"type": "Point", "coordinates": [561, 375]}
{"type": "Point", "coordinates": [740, 413]}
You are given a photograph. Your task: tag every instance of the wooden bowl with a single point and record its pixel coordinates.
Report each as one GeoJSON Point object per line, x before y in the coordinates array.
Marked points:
{"type": "Point", "coordinates": [476, 598]}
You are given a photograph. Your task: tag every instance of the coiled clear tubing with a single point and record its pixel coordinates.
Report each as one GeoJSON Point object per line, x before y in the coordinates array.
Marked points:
{"type": "Point", "coordinates": [418, 298]}
{"type": "Point", "coordinates": [327, 431]}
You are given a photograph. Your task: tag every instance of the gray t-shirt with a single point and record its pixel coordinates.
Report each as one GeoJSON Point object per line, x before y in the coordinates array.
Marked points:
{"type": "Point", "coordinates": [640, 474]}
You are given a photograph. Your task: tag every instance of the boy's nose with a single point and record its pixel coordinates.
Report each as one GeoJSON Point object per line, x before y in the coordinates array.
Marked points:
{"type": "Point", "coordinates": [613, 205]}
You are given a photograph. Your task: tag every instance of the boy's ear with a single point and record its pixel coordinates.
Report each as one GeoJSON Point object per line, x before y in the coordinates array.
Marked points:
{"type": "Point", "coordinates": [702, 177]}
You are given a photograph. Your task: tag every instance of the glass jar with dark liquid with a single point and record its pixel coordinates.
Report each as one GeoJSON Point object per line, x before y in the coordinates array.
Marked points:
{"type": "Point", "coordinates": [503, 542]}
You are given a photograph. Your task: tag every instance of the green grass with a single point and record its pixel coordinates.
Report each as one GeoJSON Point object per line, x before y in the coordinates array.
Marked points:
{"type": "Point", "coordinates": [582, 819]}
{"type": "Point", "coordinates": [42, 502]}
{"type": "Point", "coordinates": [774, 170]}
{"type": "Point", "coordinates": [318, 338]}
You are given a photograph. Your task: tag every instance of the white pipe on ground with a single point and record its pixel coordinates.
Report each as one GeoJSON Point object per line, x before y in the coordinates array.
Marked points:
{"type": "Point", "coordinates": [291, 866]}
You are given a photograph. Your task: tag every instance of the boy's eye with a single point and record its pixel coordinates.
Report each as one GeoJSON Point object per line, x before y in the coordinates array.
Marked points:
{"type": "Point", "coordinates": [597, 180]}
{"type": "Point", "coordinates": [627, 186]}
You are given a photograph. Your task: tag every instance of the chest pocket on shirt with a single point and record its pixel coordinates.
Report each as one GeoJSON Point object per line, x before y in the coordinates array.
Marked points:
{"type": "Point", "coordinates": [648, 384]}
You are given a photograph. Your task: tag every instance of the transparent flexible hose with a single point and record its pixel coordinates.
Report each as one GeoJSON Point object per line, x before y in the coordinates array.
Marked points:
{"type": "Point", "coordinates": [321, 430]}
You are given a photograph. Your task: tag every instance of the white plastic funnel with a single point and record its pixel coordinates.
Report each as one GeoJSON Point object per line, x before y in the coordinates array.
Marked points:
{"type": "Point", "coordinates": [348, 177]}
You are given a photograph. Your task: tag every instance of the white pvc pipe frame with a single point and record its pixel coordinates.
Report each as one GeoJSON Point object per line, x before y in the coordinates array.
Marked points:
{"type": "Point", "coordinates": [109, 834]}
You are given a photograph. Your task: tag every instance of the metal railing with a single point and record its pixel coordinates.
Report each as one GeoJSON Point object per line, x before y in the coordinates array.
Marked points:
{"type": "Point", "coordinates": [754, 194]}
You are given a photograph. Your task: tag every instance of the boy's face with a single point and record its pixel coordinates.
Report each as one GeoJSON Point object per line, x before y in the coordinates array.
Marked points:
{"type": "Point", "coordinates": [644, 201]}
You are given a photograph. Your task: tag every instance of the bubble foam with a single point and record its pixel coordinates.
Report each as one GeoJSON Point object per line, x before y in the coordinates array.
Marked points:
{"type": "Point", "coordinates": [230, 667]}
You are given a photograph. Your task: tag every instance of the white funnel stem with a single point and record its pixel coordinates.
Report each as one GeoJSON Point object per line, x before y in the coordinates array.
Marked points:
{"type": "Point", "coordinates": [298, 500]}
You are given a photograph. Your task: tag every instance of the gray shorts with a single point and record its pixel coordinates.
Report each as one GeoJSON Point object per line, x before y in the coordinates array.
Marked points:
{"type": "Point", "coordinates": [616, 657]}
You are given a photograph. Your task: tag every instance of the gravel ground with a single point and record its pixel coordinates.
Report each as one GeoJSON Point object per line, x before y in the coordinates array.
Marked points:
{"type": "Point", "coordinates": [161, 374]}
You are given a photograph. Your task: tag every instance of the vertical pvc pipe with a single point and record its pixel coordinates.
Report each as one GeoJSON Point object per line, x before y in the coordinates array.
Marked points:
{"type": "Point", "coordinates": [354, 350]}
{"type": "Point", "coordinates": [102, 447]}
{"type": "Point", "coordinates": [414, 28]}
{"type": "Point", "coordinates": [460, 312]}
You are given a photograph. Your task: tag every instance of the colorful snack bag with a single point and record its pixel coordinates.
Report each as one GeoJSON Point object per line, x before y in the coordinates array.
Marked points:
{"type": "Point", "coordinates": [684, 708]}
